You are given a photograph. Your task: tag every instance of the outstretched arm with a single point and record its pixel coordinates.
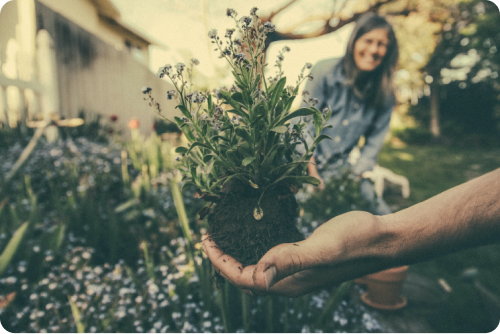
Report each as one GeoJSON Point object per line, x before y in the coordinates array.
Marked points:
{"type": "Point", "coordinates": [357, 243]}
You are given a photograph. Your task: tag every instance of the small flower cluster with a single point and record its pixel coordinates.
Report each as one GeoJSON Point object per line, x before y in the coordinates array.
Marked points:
{"type": "Point", "coordinates": [113, 298]}
{"type": "Point", "coordinates": [147, 91]}
{"type": "Point", "coordinates": [309, 76]}
{"type": "Point", "coordinates": [279, 64]}
{"type": "Point", "coordinates": [311, 101]}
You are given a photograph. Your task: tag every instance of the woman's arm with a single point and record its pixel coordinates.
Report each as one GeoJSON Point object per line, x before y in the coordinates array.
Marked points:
{"type": "Point", "coordinates": [374, 140]}
{"type": "Point", "coordinates": [358, 243]}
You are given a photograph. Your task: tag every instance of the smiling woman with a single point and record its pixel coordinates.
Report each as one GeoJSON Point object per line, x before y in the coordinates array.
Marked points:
{"type": "Point", "coordinates": [370, 49]}
{"type": "Point", "coordinates": [358, 88]}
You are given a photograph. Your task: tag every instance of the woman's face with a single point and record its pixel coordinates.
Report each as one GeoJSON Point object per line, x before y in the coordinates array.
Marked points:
{"type": "Point", "coordinates": [370, 49]}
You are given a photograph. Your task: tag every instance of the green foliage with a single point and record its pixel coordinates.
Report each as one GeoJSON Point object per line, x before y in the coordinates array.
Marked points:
{"type": "Point", "coordinates": [468, 116]}
{"type": "Point", "coordinates": [415, 135]}
{"type": "Point", "coordinates": [242, 132]}
{"type": "Point", "coordinates": [342, 193]}
{"type": "Point", "coordinates": [76, 316]}
{"type": "Point", "coordinates": [11, 248]}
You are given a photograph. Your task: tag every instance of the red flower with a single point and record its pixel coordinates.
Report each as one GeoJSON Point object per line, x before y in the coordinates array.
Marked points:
{"type": "Point", "coordinates": [133, 123]}
{"type": "Point", "coordinates": [113, 118]}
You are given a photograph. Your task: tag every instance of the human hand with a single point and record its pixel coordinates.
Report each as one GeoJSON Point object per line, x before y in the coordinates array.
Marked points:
{"type": "Point", "coordinates": [334, 253]}
{"type": "Point", "coordinates": [312, 170]}
{"type": "Point", "coordinates": [254, 281]}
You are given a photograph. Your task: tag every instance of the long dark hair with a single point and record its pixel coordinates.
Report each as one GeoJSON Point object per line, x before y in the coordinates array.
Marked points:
{"type": "Point", "coordinates": [381, 87]}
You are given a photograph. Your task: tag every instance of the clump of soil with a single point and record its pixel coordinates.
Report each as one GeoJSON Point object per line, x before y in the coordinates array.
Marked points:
{"type": "Point", "coordinates": [236, 232]}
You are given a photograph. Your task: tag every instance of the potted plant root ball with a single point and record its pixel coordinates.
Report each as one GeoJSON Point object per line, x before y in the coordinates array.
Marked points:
{"type": "Point", "coordinates": [244, 155]}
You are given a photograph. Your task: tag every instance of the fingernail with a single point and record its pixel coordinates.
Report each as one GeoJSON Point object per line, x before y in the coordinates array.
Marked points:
{"type": "Point", "coordinates": [269, 276]}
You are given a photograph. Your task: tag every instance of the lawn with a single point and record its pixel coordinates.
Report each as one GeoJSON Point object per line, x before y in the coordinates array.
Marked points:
{"type": "Point", "coordinates": [431, 170]}
{"type": "Point", "coordinates": [434, 169]}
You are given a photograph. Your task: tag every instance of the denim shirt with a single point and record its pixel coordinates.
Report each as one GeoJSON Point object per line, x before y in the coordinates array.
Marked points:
{"type": "Point", "coordinates": [351, 118]}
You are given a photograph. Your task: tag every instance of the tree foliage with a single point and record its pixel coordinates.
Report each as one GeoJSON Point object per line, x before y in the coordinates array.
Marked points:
{"type": "Point", "coordinates": [463, 71]}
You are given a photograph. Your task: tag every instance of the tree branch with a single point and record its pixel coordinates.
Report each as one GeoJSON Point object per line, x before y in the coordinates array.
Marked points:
{"type": "Point", "coordinates": [278, 10]}
{"type": "Point", "coordinates": [288, 34]}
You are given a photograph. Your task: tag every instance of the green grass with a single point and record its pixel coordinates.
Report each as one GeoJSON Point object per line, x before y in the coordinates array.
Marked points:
{"type": "Point", "coordinates": [432, 170]}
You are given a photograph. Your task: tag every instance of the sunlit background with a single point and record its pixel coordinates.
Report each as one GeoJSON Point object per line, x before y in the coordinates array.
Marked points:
{"type": "Point", "coordinates": [182, 27]}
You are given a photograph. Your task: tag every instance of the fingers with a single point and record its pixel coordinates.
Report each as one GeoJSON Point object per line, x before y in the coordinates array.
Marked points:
{"type": "Point", "coordinates": [281, 270]}
{"type": "Point", "coordinates": [227, 266]}
{"type": "Point", "coordinates": [281, 261]}
{"type": "Point", "coordinates": [321, 184]}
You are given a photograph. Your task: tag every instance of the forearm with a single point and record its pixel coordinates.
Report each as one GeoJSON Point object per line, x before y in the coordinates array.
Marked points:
{"type": "Point", "coordinates": [359, 243]}
{"type": "Point", "coordinates": [312, 170]}
{"type": "Point", "coordinates": [465, 216]}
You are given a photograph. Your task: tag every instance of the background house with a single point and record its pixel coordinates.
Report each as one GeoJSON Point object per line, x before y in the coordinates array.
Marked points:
{"type": "Point", "coordinates": [67, 57]}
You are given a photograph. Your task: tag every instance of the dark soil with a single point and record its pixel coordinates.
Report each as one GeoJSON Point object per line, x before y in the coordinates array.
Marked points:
{"type": "Point", "coordinates": [236, 232]}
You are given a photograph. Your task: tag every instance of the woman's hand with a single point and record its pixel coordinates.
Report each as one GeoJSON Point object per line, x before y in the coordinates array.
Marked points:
{"type": "Point", "coordinates": [312, 170]}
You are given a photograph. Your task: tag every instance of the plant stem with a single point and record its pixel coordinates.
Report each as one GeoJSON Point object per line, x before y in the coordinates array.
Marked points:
{"type": "Point", "coordinates": [181, 213]}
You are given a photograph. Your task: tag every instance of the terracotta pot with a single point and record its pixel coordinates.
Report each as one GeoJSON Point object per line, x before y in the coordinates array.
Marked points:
{"type": "Point", "coordinates": [384, 288]}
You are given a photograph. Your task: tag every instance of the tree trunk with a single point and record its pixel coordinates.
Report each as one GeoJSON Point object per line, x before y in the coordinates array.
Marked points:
{"type": "Point", "coordinates": [435, 128]}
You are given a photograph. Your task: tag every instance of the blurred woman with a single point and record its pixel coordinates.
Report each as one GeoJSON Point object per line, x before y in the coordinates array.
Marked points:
{"type": "Point", "coordinates": [359, 89]}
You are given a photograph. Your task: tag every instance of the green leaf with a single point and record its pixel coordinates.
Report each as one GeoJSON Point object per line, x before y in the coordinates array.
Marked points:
{"type": "Point", "coordinates": [257, 120]}
{"type": "Point", "coordinates": [213, 138]}
{"type": "Point", "coordinates": [179, 121]}
{"type": "Point", "coordinates": [233, 103]}
{"type": "Point", "coordinates": [204, 129]}
{"type": "Point", "coordinates": [256, 82]}
{"type": "Point", "coordinates": [223, 163]}
{"type": "Point", "coordinates": [224, 180]}
{"type": "Point", "coordinates": [270, 155]}
{"type": "Point", "coordinates": [127, 205]}
{"type": "Point", "coordinates": [208, 157]}
{"type": "Point", "coordinates": [76, 316]}
{"type": "Point", "coordinates": [320, 138]}
{"type": "Point", "coordinates": [10, 250]}
{"type": "Point", "coordinates": [245, 149]}
{"type": "Point", "coordinates": [297, 113]}
{"type": "Point", "coordinates": [303, 179]}
{"type": "Point", "coordinates": [243, 134]}
{"type": "Point", "coordinates": [278, 89]}
{"type": "Point", "coordinates": [238, 79]}
{"type": "Point", "coordinates": [184, 111]}
{"type": "Point", "coordinates": [239, 113]}
{"type": "Point", "coordinates": [233, 156]}
{"type": "Point", "coordinates": [197, 143]}
{"type": "Point", "coordinates": [336, 297]}
{"type": "Point", "coordinates": [181, 149]}
{"type": "Point", "coordinates": [259, 109]}
{"type": "Point", "coordinates": [279, 109]}
{"type": "Point", "coordinates": [283, 170]}
{"type": "Point", "coordinates": [187, 132]}
{"type": "Point", "coordinates": [57, 238]}
{"type": "Point", "coordinates": [279, 129]}
{"type": "Point", "coordinates": [187, 184]}
{"type": "Point", "coordinates": [248, 160]}
{"type": "Point", "coordinates": [209, 101]}
{"type": "Point", "coordinates": [238, 97]}
{"type": "Point", "coordinates": [209, 168]}
{"type": "Point", "coordinates": [289, 103]}
{"type": "Point", "coordinates": [192, 170]}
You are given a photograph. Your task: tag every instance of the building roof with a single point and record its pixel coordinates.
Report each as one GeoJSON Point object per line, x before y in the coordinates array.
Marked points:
{"type": "Point", "coordinates": [108, 12]}
{"type": "Point", "coordinates": [106, 8]}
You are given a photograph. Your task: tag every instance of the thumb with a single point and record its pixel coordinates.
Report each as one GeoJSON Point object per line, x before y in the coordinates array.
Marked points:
{"type": "Point", "coordinates": [280, 262]}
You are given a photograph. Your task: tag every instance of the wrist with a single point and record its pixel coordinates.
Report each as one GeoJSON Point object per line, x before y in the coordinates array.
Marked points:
{"type": "Point", "coordinates": [358, 242]}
